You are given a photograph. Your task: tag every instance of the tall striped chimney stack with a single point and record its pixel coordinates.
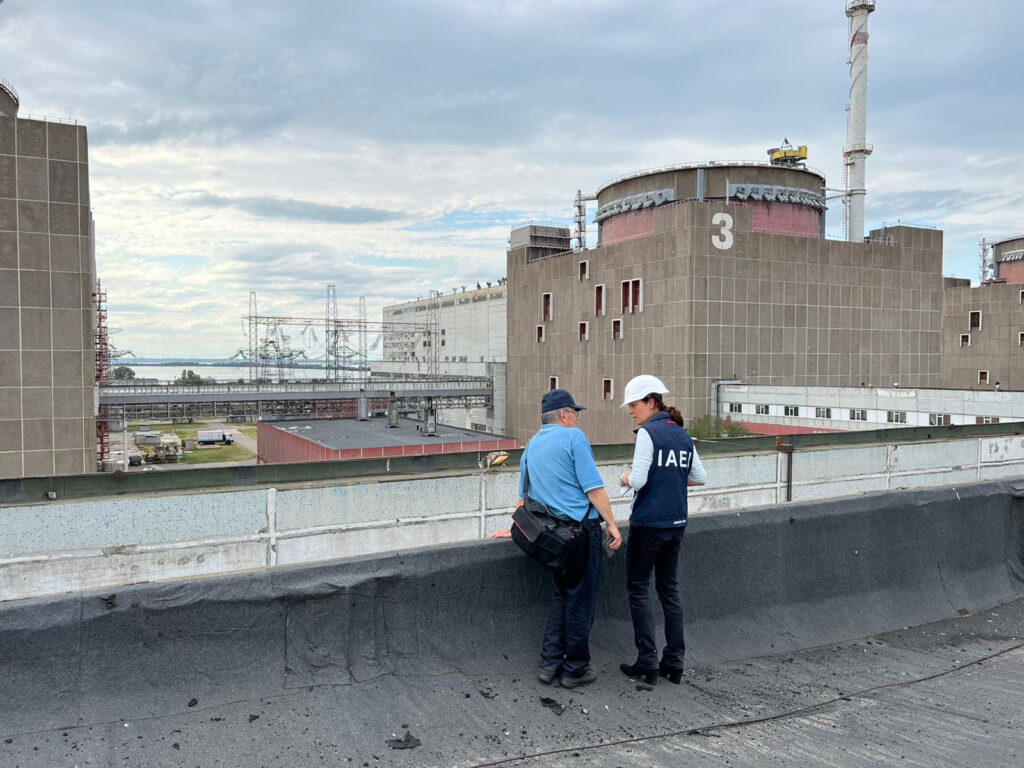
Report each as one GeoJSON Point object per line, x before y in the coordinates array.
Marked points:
{"type": "Point", "coordinates": [857, 149]}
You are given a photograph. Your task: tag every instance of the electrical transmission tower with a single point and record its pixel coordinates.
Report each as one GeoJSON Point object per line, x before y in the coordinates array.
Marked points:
{"type": "Point", "coordinates": [988, 270]}
{"type": "Point", "coordinates": [332, 332]}
{"type": "Point", "coordinates": [254, 343]}
{"type": "Point", "coordinates": [364, 364]}
{"type": "Point", "coordinates": [271, 357]}
{"type": "Point", "coordinates": [433, 333]}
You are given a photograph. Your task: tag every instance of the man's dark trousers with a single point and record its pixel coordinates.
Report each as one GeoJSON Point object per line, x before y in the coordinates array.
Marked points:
{"type": "Point", "coordinates": [567, 635]}
{"type": "Point", "coordinates": [655, 549]}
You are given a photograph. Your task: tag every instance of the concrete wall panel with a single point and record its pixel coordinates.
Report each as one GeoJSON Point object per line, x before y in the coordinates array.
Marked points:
{"type": "Point", "coordinates": [32, 178]}
{"type": "Point", "coordinates": [364, 541]}
{"type": "Point", "coordinates": [939, 477]}
{"type": "Point", "coordinates": [826, 465]}
{"type": "Point", "coordinates": [997, 471]}
{"type": "Point", "coordinates": [348, 504]}
{"type": "Point", "coordinates": [59, 574]}
{"type": "Point", "coordinates": [1000, 449]}
{"type": "Point", "coordinates": [131, 522]}
{"type": "Point", "coordinates": [736, 499]}
{"type": "Point", "coordinates": [838, 487]}
{"type": "Point", "coordinates": [502, 489]}
{"type": "Point", "coordinates": [727, 472]}
{"type": "Point", "coordinates": [932, 455]}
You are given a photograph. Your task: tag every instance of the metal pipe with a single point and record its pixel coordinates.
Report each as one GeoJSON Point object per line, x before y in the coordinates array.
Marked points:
{"type": "Point", "coordinates": [714, 394]}
{"type": "Point", "coordinates": [787, 448]}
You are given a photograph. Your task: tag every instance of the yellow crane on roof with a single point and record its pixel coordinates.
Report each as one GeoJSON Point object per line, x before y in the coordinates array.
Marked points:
{"type": "Point", "coordinates": [787, 154]}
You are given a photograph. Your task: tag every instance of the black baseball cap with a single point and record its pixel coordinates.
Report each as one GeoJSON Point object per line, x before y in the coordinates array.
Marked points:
{"type": "Point", "coordinates": [557, 399]}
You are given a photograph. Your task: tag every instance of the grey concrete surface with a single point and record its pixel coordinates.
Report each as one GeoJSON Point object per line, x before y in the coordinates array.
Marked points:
{"type": "Point", "coordinates": [887, 629]}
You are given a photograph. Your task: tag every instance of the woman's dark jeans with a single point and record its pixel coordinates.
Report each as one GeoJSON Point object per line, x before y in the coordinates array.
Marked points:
{"type": "Point", "coordinates": [655, 549]}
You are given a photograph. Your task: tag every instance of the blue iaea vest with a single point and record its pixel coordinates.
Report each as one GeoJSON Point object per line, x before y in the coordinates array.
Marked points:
{"type": "Point", "coordinates": [661, 503]}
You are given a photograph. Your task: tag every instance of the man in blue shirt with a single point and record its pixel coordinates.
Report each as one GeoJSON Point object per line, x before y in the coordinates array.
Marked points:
{"type": "Point", "coordinates": [563, 476]}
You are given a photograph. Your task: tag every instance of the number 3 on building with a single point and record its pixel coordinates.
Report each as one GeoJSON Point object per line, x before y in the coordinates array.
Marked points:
{"type": "Point", "coordinates": [722, 240]}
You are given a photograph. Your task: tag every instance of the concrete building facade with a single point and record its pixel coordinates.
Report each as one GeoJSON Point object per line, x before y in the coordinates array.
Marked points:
{"type": "Point", "coordinates": [983, 335]}
{"type": "Point", "coordinates": [716, 290]}
{"type": "Point", "coordinates": [47, 278]}
{"type": "Point", "coordinates": [471, 329]}
{"type": "Point", "coordinates": [472, 336]}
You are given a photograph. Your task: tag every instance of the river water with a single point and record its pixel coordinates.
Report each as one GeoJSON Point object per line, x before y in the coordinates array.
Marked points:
{"type": "Point", "coordinates": [217, 372]}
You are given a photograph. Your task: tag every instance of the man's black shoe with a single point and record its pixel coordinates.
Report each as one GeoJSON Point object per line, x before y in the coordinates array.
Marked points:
{"type": "Point", "coordinates": [589, 675]}
{"type": "Point", "coordinates": [546, 675]}
{"type": "Point", "coordinates": [650, 676]}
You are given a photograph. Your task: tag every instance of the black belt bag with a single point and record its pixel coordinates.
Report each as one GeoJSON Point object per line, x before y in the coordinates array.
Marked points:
{"type": "Point", "coordinates": [550, 540]}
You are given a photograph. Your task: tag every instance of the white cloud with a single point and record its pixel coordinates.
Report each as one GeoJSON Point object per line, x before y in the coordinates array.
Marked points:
{"type": "Point", "coordinates": [386, 147]}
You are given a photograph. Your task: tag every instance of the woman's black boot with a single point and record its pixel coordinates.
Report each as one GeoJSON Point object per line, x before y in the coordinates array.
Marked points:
{"type": "Point", "coordinates": [672, 674]}
{"type": "Point", "coordinates": [650, 676]}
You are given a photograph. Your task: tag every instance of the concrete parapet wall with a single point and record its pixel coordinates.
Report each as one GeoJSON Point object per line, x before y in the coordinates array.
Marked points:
{"type": "Point", "coordinates": [55, 547]}
{"type": "Point", "coordinates": [773, 579]}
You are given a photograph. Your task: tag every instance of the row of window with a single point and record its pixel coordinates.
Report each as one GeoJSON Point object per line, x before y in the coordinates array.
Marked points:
{"type": "Point", "coordinates": [583, 330]}
{"type": "Point", "coordinates": [855, 414]}
{"type": "Point", "coordinates": [965, 339]}
{"type": "Point", "coordinates": [632, 294]}
{"type": "Point", "coordinates": [607, 387]}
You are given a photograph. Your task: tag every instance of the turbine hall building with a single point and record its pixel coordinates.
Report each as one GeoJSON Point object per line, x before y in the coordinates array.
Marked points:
{"type": "Point", "coordinates": [709, 272]}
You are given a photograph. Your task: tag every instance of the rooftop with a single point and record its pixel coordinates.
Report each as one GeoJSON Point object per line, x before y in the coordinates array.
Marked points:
{"type": "Point", "coordinates": [708, 164]}
{"type": "Point", "coordinates": [886, 629]}
{"type": "Point", "coordinates": [375, 433]}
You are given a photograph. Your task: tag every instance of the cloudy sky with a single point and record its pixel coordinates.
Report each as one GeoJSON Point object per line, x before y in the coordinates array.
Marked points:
{"type": "Point", "coordinates": [388, 147]}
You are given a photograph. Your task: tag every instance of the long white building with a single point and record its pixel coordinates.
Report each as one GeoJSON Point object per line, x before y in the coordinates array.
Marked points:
{"type": "Point", "coordinates": [471, 339]}
{"type": "Point", "coordinates": [471, 333]}
{"type": "Point", "coordinates": [790, 410]}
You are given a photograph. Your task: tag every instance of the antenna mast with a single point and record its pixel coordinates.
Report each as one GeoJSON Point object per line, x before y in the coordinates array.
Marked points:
{"type": "Point", "coordinates": [988, 271]}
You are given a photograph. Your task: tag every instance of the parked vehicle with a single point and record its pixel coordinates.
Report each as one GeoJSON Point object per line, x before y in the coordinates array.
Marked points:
{"type": "Point", "coordinates": [213, 436]}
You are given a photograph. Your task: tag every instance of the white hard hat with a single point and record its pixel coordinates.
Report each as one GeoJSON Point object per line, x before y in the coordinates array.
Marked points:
{"type": "Point", "coordinates": [641, 386]}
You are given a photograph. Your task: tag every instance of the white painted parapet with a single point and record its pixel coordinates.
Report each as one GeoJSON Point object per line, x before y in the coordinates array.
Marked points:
{"type": "Point", "coordinates": [60, 546]}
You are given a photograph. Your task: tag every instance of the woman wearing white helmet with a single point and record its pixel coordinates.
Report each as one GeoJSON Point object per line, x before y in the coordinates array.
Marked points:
{"type": "Point", "coordinates": [665, 463]}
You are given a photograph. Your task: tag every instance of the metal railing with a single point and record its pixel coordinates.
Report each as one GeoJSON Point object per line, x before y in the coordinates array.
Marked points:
{"type": "Point", "coordinates": [11, 90]}
{"type": "Point", "coordinates": [901, 223]}
{"type": "Point", "coordinates": [538, 223]}
{"type": "Point", "coordinates": [352, 389]}
{"type": "Point", "coordinates": [48, 118]}
{"type": "Point", "coordinates": [709, 164]}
